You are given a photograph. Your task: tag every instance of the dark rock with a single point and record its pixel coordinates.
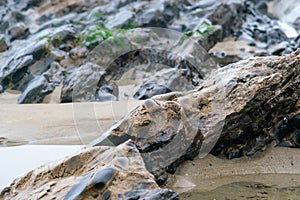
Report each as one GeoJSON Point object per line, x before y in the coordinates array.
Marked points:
{"type": "Point", "coordinates": [14, 71]}
{"type": "Point", "coordinates": [138, 192]}
{"type": "Point", "coordinates": [149, 90]}
{"type": "Point", "coordinates": [76, 191]}
{"type": "Point", "coordinates": [36, 90]}
{"type": "Point", "coordinates": [165, 194]}
{"type": "Point", "coordinates": [81, 83]}
{"type": "Point", "coordinates": [99, 180]}
{"type": "Point", "coordinates": [106, 93]}
{"type": "Point", "coordinates": [102, 178]}
{"type": "Point", "coordinates": [158, 130]}
{"type": "Point", "coordinates": [18, 31]}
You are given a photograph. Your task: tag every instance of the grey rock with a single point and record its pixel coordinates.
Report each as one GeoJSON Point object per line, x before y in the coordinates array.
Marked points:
{"type": "Point", "coordinates": [14, 71]}
{"type": "Point", "coordinates": [278, 49]}
{"type": "Point", "coordinates": [121, 19]}
{"type": "Point", "coordinates": [149, 90]}
{"type": "Point", "coordinates": [36, 90]}
{"type": "Point", "coordinates": [78, 53]}
{"type": "Point", "coordinates": [81, 83]}
{"type": "Point", "coordinates": [106, 93]}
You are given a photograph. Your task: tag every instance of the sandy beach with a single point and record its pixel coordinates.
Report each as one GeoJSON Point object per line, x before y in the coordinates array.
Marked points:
{"type": "Point", "coordinates": [57, 124]}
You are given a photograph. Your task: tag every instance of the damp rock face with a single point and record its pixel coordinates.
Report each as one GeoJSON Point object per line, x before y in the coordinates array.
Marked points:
{"type": "Point", "coordinates": [231, 113]}
{"type": "Point", "coordinates": [94, 173]}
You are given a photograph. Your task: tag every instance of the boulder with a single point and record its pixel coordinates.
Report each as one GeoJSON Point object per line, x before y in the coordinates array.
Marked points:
{"type": "Point", "coordinates": [93, 173]}
{"type": "Point", "coordinates": [236, 106]}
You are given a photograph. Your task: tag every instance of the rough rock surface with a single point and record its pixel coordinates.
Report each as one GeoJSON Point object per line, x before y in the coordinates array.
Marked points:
{"type": "Point", "coordinates": [64, 34]}
{"type": "Point", "coordinates": [94, 173]}
{"type": "Point", "coordinates": [245, 107]}
{"type": "Point", "coordinates": [248, 98]}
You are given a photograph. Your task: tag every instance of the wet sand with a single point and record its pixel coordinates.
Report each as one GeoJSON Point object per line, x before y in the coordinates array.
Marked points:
{"type": "Point", "coordinates": [65, 124]}
{"type": "Point", "coordinates": [264, 176]}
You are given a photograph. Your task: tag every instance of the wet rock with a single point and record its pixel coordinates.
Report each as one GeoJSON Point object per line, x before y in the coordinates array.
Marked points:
{"type": "Point", "coordinates": [171, 128]}
{"type": "Point", "coordinates": [106, 93]}
{"type": "Point", "coordinates": [18, 31]}
{"type": "Point", "coordinates": [81, 83]}
{"type": "Point", "coordinates": [36, 90]}
{"type": "Point", "coordinates": [3, 43]}
{"type": "Point", "coordinates": [95, 172]}
{"type": "Point", "coordinates": [149, 90]}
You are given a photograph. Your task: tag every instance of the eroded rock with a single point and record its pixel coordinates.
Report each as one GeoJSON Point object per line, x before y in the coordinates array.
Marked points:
{"type": "Point", "coordinates": [247, 98]}
{"type": "Point", "coordinates": [94, 173]}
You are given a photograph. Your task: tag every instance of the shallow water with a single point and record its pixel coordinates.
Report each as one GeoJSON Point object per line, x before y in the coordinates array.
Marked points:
{"type": "Point", "coordinates": [18, 160]}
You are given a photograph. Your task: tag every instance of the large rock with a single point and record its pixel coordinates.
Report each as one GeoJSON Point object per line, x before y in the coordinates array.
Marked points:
{"type": "Point", "coordinates": [247, 98]}
{"type": "Point", "coordinates": [94, 173]}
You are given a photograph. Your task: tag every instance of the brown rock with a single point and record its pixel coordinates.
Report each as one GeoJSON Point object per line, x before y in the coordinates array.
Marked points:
{"type": "Point", "coordinates": [244, 100]}
{"type": "Point", "coordinates": [94, 173]}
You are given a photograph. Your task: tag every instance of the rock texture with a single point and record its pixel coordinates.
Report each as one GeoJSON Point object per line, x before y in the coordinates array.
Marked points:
{"type": "Point", "coordinates": [57, 38]}
{"type": "Point", "coordinates": [242, 108]}
{"type": "Point", "coordinates": [94, 173]}
{"type": "Point", "coordinates": [235, 111]}
{"type": "Point", "coordinates": [249, 98]}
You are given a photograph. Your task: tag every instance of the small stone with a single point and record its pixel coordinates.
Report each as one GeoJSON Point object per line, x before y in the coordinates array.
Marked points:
{"type": "Point", "coordinates": [57, 54]}
{"type": "Point", "coordinates": [120, 19]}
{"type": "Point", "coordinates": [3, 43]}
{"type": "Point", "coordinates": [106, 93]}
{"type": "Point", "coordinates": [78, 52]}
{"type": "Point", "coordinates": [18, 31]}
{"type": "Point", "coordinates": [149, 90]}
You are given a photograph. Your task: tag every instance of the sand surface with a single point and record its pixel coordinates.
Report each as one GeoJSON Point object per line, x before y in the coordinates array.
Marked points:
{"type": "Point", "coordinates": [68, 124]}
{"type": "Point", "coordinates": [267, 175]}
